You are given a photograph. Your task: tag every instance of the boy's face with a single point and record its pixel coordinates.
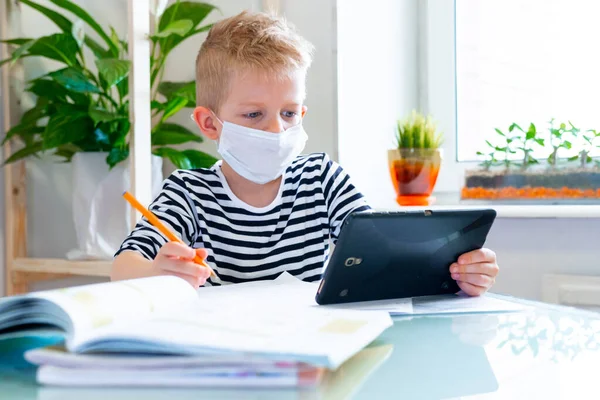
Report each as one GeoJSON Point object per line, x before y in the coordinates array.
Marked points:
{"type": "Point", "coordinates": [271, 104]}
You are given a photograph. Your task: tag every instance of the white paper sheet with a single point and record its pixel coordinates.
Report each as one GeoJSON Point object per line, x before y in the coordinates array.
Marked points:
{"type": "Point", "coordinates": [289, 292]}
{"type": "Point", "coordinates": [463, 304]}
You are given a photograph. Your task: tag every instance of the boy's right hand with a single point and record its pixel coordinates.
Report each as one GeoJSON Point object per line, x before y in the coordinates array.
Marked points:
{"type": "Point", "coordinates": [178, 259]}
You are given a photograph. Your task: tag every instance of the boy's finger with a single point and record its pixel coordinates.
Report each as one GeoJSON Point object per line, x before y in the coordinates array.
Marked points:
{"type": "Point", "coordinates": [202, 253]}
{"type": "Point", "coordinates": [204, 272]}
{"type": "Point", "coordinates": [184, 267]}
{"type": "Point", "coordinates": [489, 269]}
{"type": "Point", "coordinates": [195, 282]}
{"type": "Point", "coordinates": [477, 256]}
{"type": "Point", "coordinates": [470, 289]}
{"type": "Point", "coordinates": [474, 279]}
{"type": "Point", "coordinates": [176, 249]}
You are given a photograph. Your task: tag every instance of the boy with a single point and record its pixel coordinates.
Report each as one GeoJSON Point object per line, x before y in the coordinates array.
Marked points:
{"type": "Point", "coordinates": [263, 209]}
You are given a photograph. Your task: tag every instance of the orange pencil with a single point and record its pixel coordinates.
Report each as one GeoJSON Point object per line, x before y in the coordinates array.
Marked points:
{"type": "Point", "coordinates": [161, 227]}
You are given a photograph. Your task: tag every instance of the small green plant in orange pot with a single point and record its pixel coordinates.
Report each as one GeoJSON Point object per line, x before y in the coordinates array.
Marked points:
{"type": "Point", "coordinates": [415, 162]}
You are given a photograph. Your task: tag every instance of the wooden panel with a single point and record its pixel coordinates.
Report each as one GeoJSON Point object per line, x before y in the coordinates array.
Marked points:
{"type": "Point", "coordinates": [15, 212]}
{"type": "Point", "coordinates": [59, 266]}
{"type": "Point", "coordinates": [139, 102]}
{"type": "Point", "coordinates": [21, 281]}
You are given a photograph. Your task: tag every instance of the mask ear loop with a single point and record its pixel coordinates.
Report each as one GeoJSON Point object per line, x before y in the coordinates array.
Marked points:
{"type": "Point", "coordinates": [214, 115]}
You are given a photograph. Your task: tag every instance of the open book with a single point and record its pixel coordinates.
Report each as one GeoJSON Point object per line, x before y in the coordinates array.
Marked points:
{"type": "Point", "coordinates": [165, 315]}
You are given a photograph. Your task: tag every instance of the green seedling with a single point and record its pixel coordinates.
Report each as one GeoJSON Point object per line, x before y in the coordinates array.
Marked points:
{"type": "Point", "coordinates": [588, 139]}
{"type": "Point", "coordinates": [525, 142]}
{"type": "Point", "coordinates": [558, 140]}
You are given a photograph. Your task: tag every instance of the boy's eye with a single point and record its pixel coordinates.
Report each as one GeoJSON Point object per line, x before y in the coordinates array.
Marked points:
{"type": "Point", "coordinates": [253, 115]}
{"type": "Point", "coordinates": [289, 114]}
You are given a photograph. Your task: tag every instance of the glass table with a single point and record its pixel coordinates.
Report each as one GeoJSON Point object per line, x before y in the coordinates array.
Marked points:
{"type": "Point", "coordinates": [544, 352]}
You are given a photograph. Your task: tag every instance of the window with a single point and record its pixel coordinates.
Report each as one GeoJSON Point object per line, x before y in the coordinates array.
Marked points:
{"type": "Point", "coordinates": [488, 64]}
{"type": "Point", "coordinates": [525, 61]}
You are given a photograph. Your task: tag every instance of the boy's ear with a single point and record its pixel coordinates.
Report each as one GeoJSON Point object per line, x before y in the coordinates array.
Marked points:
{"type": "Point", "coordinates": [304, 109]}
{"type": "Point", "coordinates": [207, 123]}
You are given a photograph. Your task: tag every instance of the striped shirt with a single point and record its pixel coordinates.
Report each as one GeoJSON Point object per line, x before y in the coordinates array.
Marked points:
{"type": "Point", "coordinates": [246, 243]}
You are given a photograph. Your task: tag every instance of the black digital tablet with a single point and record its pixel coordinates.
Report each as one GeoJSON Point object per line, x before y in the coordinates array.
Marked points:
{"type": "Point", "coordinates": [388, 255]}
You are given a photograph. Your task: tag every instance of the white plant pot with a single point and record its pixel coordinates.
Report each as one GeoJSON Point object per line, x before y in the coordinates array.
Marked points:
{"type": "Point", "coordinates": [101, 215]}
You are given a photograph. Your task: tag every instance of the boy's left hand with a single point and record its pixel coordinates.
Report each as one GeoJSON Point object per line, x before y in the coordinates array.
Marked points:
{"type": "Point", "coordinates": [475, 271]}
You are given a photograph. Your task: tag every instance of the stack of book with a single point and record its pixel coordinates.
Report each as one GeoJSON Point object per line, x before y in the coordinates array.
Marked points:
{"type": "Point", "coordinates": [159, 331]}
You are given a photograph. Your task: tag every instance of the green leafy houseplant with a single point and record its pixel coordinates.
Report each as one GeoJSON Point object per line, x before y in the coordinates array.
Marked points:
{"type": "Point", "coordinates": [78, 109]}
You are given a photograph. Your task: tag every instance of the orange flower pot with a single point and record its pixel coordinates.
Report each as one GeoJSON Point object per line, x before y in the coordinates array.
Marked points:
{"type": "Point", "coordinates": [414, 173]}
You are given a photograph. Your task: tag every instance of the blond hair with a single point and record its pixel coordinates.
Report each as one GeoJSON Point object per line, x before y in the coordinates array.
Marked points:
{"type": "Point", "coordinates": [247, 41]}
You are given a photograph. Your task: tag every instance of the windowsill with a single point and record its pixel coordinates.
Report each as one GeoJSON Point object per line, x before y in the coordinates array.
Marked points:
{"type": "Point", "coordinates": [507, 208]}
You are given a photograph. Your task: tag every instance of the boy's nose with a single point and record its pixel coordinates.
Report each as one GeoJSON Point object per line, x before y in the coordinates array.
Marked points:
{"type": "Point", "coordinates": [275, 126]}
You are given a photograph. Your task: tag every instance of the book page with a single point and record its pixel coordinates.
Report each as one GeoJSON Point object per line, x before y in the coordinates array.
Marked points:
{"type": "Point", "coordinates": [264, 318]}
{"type": "Point", "coordinates": [97, 306]}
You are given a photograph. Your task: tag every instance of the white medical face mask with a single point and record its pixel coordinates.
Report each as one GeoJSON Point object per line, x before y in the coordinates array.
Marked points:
{"type": "Point", "coordinates": [260, 156]}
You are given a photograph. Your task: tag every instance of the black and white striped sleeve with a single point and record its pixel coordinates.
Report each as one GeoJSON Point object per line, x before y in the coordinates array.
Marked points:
{"type": "Point", "coordinates": [341, 197]}
{"type": "Point", "coordinates": [174, 207]}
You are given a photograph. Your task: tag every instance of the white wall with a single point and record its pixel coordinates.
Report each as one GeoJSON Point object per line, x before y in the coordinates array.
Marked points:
{"type": "Point", "coordinates": [378, 82]}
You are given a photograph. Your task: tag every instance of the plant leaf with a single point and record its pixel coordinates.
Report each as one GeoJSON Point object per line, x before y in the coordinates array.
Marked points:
{"type": "Point", "coordinates": [66, 25]}
{"type": "Point", "coordinates": [81, 13]}
{"type": "Point", "coordinates": [73, 79]}
{"type": "Point", "coordinates": [531, 132]}
{"type": "Point", "coordinates": [96, 48]}
{"type": "Point", "coordinates": [26, 151]}
{"type": "Point", "coordinates": [61, 21]}
{"type": "Point", "coordinates": [22, 50]}
{"type": "Point", "coordinates": [181, 89]}
{"type": "Point", "coordinates": [59, 46]}
{"type": "Point", "coordinates": [116, 155]}
{"type": "Point", "coordinates": [67, 151]}
{"type": "Point", "coordinates": [200, 30]}
{"type": "Point", "coordinates": [199, 159]}
{"type": "Point", "coordinates": [179, 27]}
{"type": "Point", "coordinates": [173, 106]}
{"type": "Point", "coordinates": [48, 89]}
{"type": "Point", "coordinates": [22, 129]}
{"type": "Point", "coordinates": [67, 127]}
{"type": "Point", "coordinates": [113, 70]}
{"type": "Point", "coordinates": [567, 144]}
{"type": "Point", "coordinates": [101, 137]}
{"type": "Point", "coordinates": [179, 159]}
{"type": "Point", "coordinates": [513, 126]}
{"type": "Point", "coordinates": [573, 158]}
{"type": "Point", "coordinates": [101, 115]}
{"type": "Point", "coordinates": [194, 11]}
{"type": "Point", "coordinates": [16, 41]}
{"type": "Point", "coordinates": [123, 87]}
{"type": "Point", "coordinates": [169, 88]}
{"type": "Point", "coordinates": [499, 132]}
{"type": "Point", "coordinates": [168, 133]}
{"type": "Point", "coordinates": [539, 141]}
